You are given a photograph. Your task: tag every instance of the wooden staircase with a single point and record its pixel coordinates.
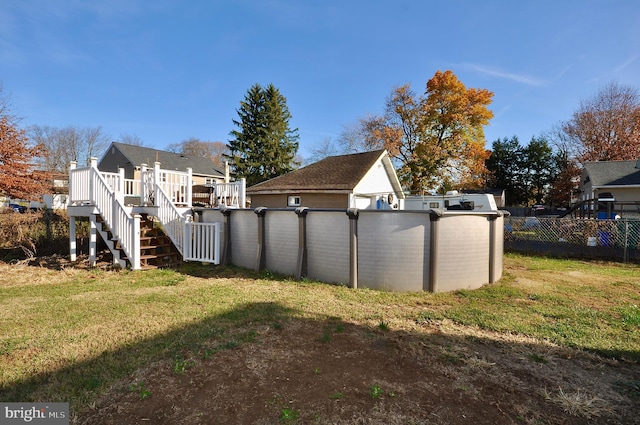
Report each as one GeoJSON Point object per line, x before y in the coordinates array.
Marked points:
{"type": "Point", "coordinates": [156, 248]}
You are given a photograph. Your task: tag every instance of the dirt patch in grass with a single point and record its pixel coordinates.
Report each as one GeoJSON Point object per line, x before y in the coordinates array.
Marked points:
{"type": "Point", "coordinates": [343, 373]}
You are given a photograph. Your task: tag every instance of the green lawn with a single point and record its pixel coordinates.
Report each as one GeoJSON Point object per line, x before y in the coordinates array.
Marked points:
{"type": "Point", "coordinates": [69, 334]}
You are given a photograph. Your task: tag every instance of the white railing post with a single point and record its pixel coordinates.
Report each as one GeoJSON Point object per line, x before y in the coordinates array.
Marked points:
{"type": "Point", "coordinates": [242, 193]}
{"type": "Point", "coordinates": [216, 243]}
{"type": "Point", "coordinates": [135, 248]}
{"type": "Point", "coordinates": [187, 241]}
{"type": "Point", "coordinates": [94, 170]}
{"type": "Point", "coordinates": [156, 182]}
{"type": "Point", "coordinates": [189, 188]}
{"type": "Point", "coordinates": [120, 186]}
{"type": "Point", "coordinates": [144, 196]}
{"type": "Point", "coordinates": [70, 186]}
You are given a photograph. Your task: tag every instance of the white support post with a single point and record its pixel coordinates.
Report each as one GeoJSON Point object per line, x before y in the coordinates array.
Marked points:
{"type": "Point", "coordinates": [72, 239]}
{"type": "Point", "coordinates": [144, 196]}
{"type": "Point", "coordinates": [189, 188]}
{"type": "Point", "coordinates": [93, 232]}
{"type": "Point", "coordinates": [72, 166]}
{"type": "Point", "coordinates": [187, 241]}
{"type": "Point", "coordinates": [135, 249]}
{"type": "Point", "coordinates": [242, 194]}
{"type": "Point", "coordinates": [121, 186]}
{"type": "Point", "coordinates": [94, 165]}
{"type": "Point", "coordinates": [216, 243]}
{"type": "Point", "coordinates": [156, 181]}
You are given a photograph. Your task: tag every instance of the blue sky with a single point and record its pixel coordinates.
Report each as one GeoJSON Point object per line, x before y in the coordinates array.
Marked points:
{"type": "Point", "coordinates": [167, 70]}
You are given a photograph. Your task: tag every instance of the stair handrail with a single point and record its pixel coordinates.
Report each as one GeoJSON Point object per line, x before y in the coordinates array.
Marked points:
{"type": "Point", "coordinates": [172, 219]}
{"type": "Point", "coordinates": [110, 204]}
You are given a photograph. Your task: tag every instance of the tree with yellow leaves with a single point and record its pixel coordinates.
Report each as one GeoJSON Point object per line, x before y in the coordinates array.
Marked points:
{"type": "Point", "coordinates": [436, 139]}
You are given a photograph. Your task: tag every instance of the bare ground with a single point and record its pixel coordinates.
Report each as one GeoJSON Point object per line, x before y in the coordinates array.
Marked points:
{"type": "Point", "coordinates": [334, 373]}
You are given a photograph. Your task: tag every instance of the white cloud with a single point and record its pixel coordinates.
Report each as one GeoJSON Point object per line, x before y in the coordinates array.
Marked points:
{"type": "Point", "coordinates": [519, 78]}
{"type": "Point", "coordinates": [624, 65]}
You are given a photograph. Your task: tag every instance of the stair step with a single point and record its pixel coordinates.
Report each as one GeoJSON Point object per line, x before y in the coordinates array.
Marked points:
{"type": "Point", "coordinates": [148, 257]}
{"type": "Point", "coordinates": [156, 248]}
{"type": "Point", "coordinates": [161, 255]}
{"type": "Point", "coordinates": [164, 245]}
{"type": "Point", "coordinates": [148, 238]}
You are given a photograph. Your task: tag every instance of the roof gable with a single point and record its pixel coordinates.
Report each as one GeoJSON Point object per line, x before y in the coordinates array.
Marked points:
{"type": "Point", "coordinates": [342, 172]}
{"type": "Point", "coordinates": [139, 155]}
{"type": "Point", "coordinates": [612, 173]}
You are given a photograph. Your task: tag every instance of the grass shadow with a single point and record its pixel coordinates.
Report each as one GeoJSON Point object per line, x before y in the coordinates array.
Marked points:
{"type": "Point", "coordinates": [83, 380]}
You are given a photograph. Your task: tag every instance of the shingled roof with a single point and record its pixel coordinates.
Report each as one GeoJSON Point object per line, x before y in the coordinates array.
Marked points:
{"type": "Point", "coordinates": [334, 173]}
{"type": "Point", "coordinates": [613, 173]}
{"type": "Point", "coordinates": [138, 155]}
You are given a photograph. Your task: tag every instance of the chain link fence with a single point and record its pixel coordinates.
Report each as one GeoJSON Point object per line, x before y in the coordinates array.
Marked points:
{"type": "Point", "coordinates": [573, 237]}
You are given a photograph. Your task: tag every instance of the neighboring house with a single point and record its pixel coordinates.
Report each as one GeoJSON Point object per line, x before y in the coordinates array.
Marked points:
{"type": "Point", "coordinates": [57, 199]}
{"type": "Point", "coordinates": [363, 180]}
{"type": "Point", "coordinates": [131, 158]}
{"type": "Point", "coordinates": [619, 180]}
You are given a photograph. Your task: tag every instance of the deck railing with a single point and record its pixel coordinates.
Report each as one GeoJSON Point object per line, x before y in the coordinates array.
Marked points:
{"type": "Point", "coordinates": [229, 194]}
{"type": "Point", "coordinates": [79, 185]}
{"type": "Point", "coordinates": [100, 193]}
{"type": "Point", "coordinates": [121, 185]}
{"type": "Point", "coordinates": [169, 191]}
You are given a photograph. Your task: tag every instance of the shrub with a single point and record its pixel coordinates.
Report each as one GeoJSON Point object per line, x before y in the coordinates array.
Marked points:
{"type": "Point", "coordinates": [39, 233]}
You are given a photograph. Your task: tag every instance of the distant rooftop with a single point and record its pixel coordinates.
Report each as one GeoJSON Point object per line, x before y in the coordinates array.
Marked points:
{"type": "Point", "coordinates": [139, 155]}
{"type": "Point", "coordinates": [613, 173]}
{"type": "Point", "coordinates": [342, 172]}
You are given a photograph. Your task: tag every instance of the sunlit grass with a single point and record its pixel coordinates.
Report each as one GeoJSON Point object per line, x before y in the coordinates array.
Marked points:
{"type": "Point", "coordinates": [591, 306]}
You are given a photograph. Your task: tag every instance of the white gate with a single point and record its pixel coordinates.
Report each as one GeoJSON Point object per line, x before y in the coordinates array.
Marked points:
{"type": "Point", "coordinates": [202, 242]}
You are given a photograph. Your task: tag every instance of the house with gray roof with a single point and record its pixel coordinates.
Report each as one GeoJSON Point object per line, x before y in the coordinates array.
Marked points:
{"type": "Point", "coordinates": [131, 158]}
{"type": "Point", "coordinates": [621, 179]}
{"type": "Point", "coordinates": [365, 180]}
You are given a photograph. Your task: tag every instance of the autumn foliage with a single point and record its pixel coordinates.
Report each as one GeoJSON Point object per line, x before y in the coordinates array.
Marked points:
{"type": "Point", "coordinates": [18, 177]}
{"type": "Point", "coordinates": [438, 139]}
{"type": "Point", "coordinates": [606, 127]}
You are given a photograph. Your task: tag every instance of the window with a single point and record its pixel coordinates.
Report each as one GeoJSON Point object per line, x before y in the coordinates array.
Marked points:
{"type": "Point", "coordinates": [434, 204]}
{"type": "Point", "coordinates": [293, 201]}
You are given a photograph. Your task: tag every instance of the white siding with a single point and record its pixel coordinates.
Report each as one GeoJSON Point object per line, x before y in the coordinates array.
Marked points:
{"type": "Point", "coordinates": [376, 181]}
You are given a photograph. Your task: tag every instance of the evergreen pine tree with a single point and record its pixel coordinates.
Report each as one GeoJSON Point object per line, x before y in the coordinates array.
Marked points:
{"type": "Point", "coordinates": [263, 145]}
